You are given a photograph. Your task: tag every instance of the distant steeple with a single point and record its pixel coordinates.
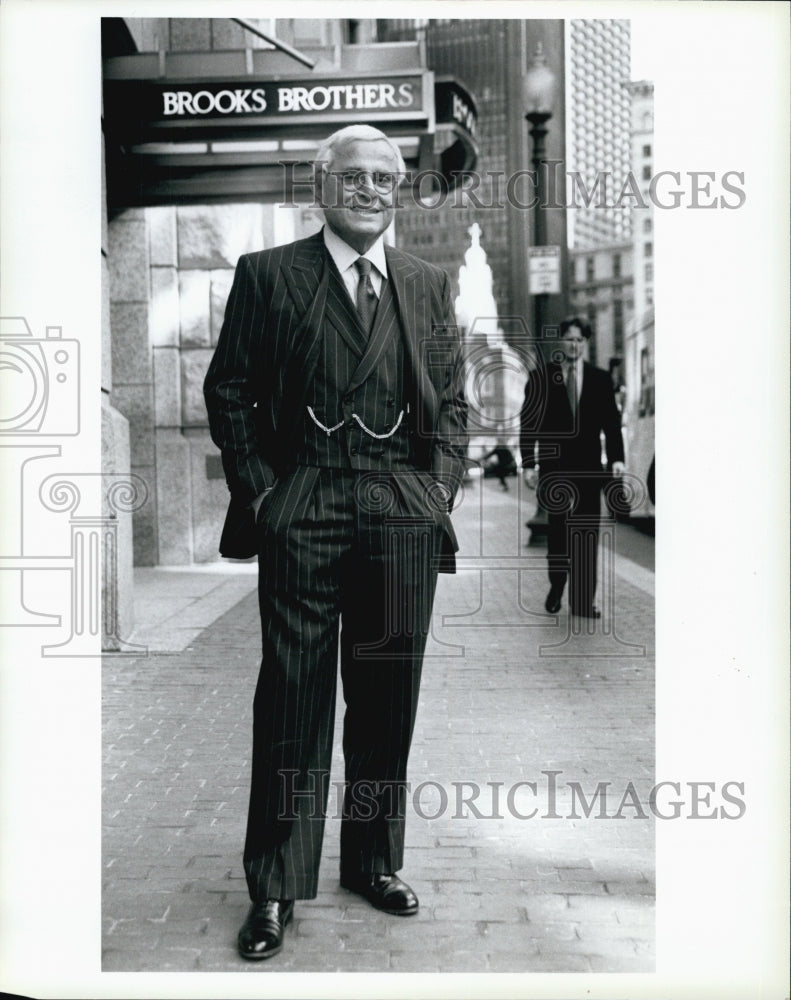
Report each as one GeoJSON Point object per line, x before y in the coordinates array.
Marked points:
{"type": "Point", "coordinates": [476, 309]}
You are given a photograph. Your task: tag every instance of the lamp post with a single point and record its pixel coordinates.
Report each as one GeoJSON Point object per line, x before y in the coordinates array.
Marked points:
{"type": "Point", "coordinates": [539, 95]}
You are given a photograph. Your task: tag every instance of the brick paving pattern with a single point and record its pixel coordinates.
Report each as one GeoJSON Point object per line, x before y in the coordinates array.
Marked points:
{"type": "Point", "coordinates": [510, 695]}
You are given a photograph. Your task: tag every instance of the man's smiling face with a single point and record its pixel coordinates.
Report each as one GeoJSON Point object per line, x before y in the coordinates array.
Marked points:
{"type": "Point", "coordinates": [359, 190]}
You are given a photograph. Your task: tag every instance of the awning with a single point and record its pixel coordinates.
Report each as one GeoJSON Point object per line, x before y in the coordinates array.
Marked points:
{"type": "Point", "coordinates": [237, 131]}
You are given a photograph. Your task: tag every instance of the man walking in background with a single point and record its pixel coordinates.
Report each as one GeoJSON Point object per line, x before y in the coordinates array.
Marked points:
{"type": "Point", "coordinates": [568, 405]}
{"type": "Point", "coordinates": [335, 397]}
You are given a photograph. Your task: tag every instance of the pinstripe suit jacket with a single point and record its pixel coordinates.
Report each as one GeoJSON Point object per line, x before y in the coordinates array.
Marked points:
{"type": "Point", "coordinates": [259, 378]}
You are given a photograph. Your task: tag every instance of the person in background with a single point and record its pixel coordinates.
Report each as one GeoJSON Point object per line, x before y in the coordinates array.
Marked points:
{"type": "Point", "coordinates": [568, 405]}
{"type": "Point", "coordinates": [501, 462]}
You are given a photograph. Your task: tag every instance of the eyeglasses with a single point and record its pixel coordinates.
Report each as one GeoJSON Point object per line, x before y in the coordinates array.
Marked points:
{"type": "Point", "coordinates": [355, 180]}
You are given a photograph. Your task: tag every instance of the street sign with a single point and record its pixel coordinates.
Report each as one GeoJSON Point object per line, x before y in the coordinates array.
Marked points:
{"type": "Point", "coordinates": [543, 270]}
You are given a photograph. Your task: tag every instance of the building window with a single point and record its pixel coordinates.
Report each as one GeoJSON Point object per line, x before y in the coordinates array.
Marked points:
{"type": "Point", "coordinates": [647, 172]}
{"type": "Point", "coordinates": [648, 250]}
{"type": "Point", "coordinates": [646, 150]}
{"type": "Point", "coordinates": [617, 322]}
{"type": "Point", "coordinates": [649, 272]}
{"type": "Point", "coordinates": [616, 265]}
{"type": "Point", "coordinates": [309, 30]}
{"type": "Point", "coordinates": [589, 270]}
{"type": "Point", "coordinates": [592, 340]}
{"type": "Point", "coordinates": [646, 399]}
{"type": "Point", "coordinates": [647, 225]}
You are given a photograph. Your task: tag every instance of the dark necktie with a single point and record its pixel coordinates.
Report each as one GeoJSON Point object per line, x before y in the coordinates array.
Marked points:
{"type": "Point", "coordinates": [366, 296]}
{"type": "Point", "coordinates": [571, 386]}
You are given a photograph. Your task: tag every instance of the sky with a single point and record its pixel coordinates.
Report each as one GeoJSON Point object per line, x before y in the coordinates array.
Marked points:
{"type": "Point", "coordinates": [644, 50]}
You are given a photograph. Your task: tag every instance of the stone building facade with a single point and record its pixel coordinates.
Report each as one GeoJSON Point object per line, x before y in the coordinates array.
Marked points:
{"type": "Point", "coordinates": [166, 274]}
{"type": "Point", "coordinates": [601, 290]}
{"type": "Point", "coordinates": [168, 259]}
{"type": "Point", "coordinates": [170, 273]}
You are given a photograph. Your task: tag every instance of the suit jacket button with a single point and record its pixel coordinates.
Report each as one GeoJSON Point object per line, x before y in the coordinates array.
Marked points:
{"type": "Point", "coordinates": [353, 451]}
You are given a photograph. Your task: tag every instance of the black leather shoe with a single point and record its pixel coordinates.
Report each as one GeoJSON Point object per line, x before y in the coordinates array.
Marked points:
{"type": "Point", "coordinates": [261, 935]}
{"type": "Point", "coordinates": [590, 613]}
{"type": "Point", "coordinates": [385, 892]}
{"type": "Point", "coordinates": [552, 603]}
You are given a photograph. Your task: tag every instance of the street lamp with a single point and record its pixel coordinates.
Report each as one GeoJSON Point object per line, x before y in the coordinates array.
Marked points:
{"type": "Point", "coordinates": [539, 96]}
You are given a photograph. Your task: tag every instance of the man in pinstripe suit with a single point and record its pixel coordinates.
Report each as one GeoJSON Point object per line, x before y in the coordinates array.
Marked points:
{"type": "Point", "coordinates": [335, 397]}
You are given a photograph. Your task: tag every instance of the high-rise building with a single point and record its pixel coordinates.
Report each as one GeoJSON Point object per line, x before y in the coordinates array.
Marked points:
{"type": "Point", "coordinates": [643, 215]}
{"type": "Point", "coordinates": [601, 291]}
{"type": "Point", "coordinates": [490, 57]}
{"type": "Point", "coordinates": [490, 217]}
{"type": "Point", "coordinates": [598, 115]}
{"type": "Point", "coordinates": [639, 412]}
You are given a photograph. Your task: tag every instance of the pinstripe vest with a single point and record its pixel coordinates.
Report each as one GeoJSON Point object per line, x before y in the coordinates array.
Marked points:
{"type": "Point", "coordinates": [378, 402]}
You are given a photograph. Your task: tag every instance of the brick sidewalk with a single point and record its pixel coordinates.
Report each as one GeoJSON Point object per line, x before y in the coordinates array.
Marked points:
{"type": "Point", "coordinates": [509, 695]}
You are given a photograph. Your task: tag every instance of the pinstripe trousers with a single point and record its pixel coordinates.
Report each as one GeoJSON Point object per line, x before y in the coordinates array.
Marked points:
{"type": "Point", "coordinates": [349, 554]}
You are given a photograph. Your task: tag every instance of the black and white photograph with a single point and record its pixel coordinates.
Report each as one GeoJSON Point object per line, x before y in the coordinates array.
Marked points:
{"type": "Point", "coordinates": [360, 635]}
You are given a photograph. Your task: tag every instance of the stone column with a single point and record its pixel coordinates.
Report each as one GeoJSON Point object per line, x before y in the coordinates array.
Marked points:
{"type": "Point", "coordinates": [210, 240]}
{"type": "Point", "coordinates": [116, 459]}
{"type": "Point", "coordinates": [174, 521]}
{"type": "Point", "coordinates": [132, 362]}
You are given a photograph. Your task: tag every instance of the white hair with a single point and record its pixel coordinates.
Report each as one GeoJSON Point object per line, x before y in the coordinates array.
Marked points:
{"type": "Point", "coordinates": [350, 133]}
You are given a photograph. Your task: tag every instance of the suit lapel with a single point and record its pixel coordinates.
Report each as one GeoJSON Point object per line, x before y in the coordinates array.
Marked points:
{"type": "Point", "coordinates": [307, 276]}
{"type": "Point", "coordinates": [342, 313]}
{"type": "Point", "coordinates": [586, 388]}
{"type": "Point", "coordinates": [385, 327]}
{"type": "Point", "coordinates": [562, 417]}
{"type": "Point", "coordinates": [302, 272]}
{"type": "Point", "coordinates": [319, 294]}
{"type": "Point", "coordinates": [410, 295]}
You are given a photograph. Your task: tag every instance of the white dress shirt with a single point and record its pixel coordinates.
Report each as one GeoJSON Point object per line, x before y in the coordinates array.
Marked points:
{"type": "Point", "coordinates": [578, 368]}
{"type": "Point", "coordinates": [344, 257]}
